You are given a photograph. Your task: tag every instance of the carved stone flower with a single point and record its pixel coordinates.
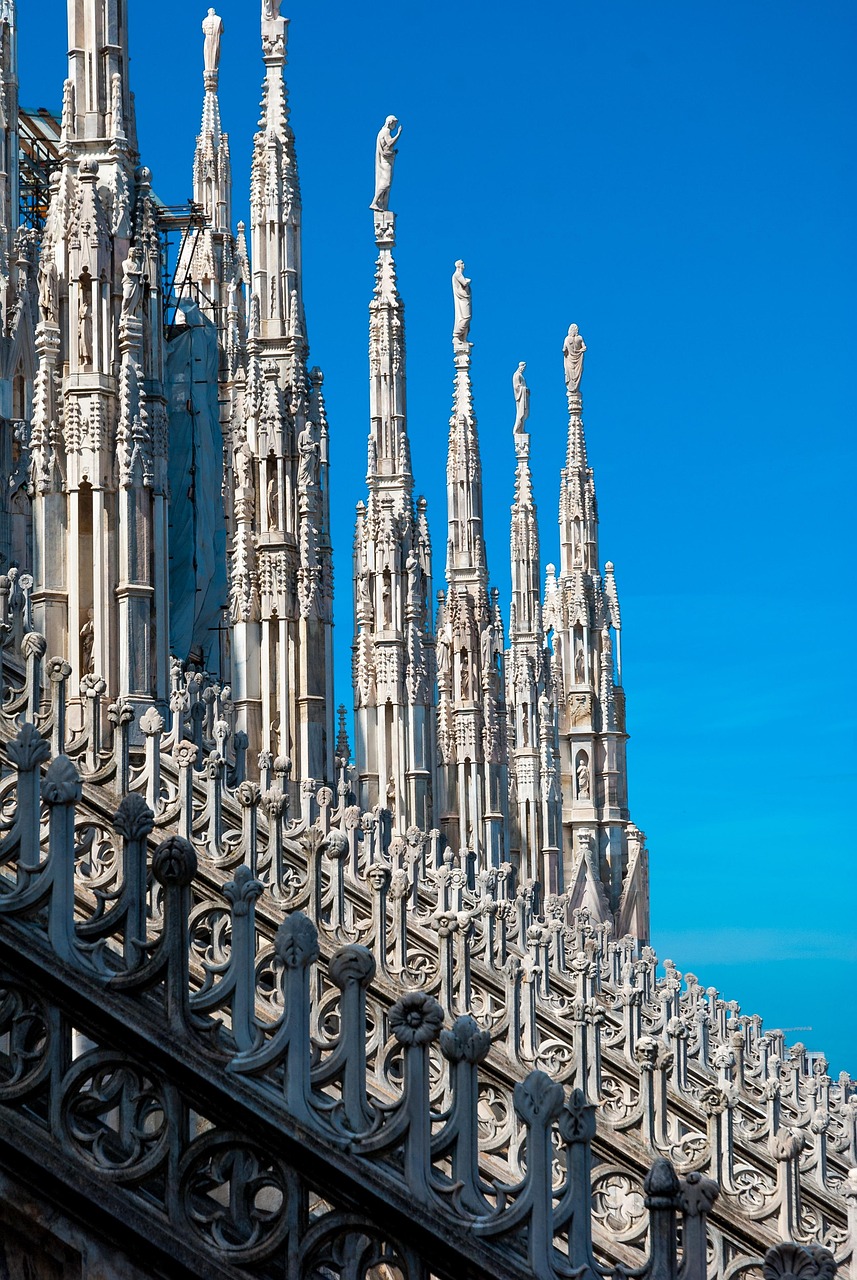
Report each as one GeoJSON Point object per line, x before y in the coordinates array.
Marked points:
{"type": "Point", "coordinates": [416, 1019]}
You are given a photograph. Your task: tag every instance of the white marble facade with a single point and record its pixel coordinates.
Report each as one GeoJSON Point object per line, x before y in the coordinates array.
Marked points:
{"type": "Point", "coordinates": [503, 728]}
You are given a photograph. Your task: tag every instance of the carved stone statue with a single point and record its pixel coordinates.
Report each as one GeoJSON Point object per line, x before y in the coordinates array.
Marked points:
{"type": "Point", "coordinates": [366, 610]}
{"type": "Point", "coordinates": [385, 155]}
{"type": "Point", "coordinates": [48, 286]}
{"type": "Point", "coordinates": [412, 567]}
{"type": "Point", "coordinates": [465, 675]}
{"type": "Point", "coordinates": [463, 305]}
{"type": "Point", "coordinates": [270, 9]}
{"type": "Point", "coordinates": [442, 656]}
{"type": "Point", "coordinates": [212, 29]}
{"type": "Point", "coordinates": [308, 466]}
{"type": "Point", "coordinates": [579, 666]}
{"type": "Point", "coordinates": [87, 645]}
{"type": "Point", "coordinates": [272, 502]}
{"type": "Point", "coordinates": [572, 354]}
{"type": "Point", "coordinates": [243, 464]}
{"type": "Point", "coordinates": [486, 648]}
{"type": "Point", "coordinates": [132, 283]}
{"type": "Point", "coordinates": [582, 780]}
{"type": "Point", "coordinates": [84, 328]}
{"type": "Point", "coordinates": [522, 397]}
{"type": "Point", "coordinates": [387, 600]}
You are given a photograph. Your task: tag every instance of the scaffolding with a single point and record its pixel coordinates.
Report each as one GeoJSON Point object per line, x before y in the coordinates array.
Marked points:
{"type": "Point", "coordinates": [39, 134]}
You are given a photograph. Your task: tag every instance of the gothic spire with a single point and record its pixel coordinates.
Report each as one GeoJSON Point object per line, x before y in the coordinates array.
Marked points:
{"type": "Point", "coordinates": [525, 617]}
{"type": "Point", "coordinates": [102, 106]}
{"type": "Point", "coordinates": [392, 559]}
{"type": "Point", "coordinates": [471, 695]}
{"type": "Point", "coordinates": [536, 811]}
{"type": "Point", "coordinates": [466, 562]}
{"type": "Point", "coordinates": [281, 587]}
{"type": "Point", "coordinates": [582, 610]}
{"type": "Point", "coordinates": [208, 260]}
{"type": "Point", "coordinates": [275, 198]}
{"type": "Point", "coordinates": [212, 171]}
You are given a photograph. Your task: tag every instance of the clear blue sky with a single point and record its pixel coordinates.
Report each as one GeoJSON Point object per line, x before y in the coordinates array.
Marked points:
{"type": "Point", "coordinates": [679, 179]}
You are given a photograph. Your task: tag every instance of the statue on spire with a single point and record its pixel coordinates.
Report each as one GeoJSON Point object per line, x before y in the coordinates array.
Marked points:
{"type": "Point", "coordinates": [572, 354]}
{"type": "Point", "coordinates": [212, 29]}
{"type": "Point", "coordinates": [522, 398]}
{"type": "Point", "coordinates": [463, 305]}
{"type": "Point", "coordinates": [385, 156]}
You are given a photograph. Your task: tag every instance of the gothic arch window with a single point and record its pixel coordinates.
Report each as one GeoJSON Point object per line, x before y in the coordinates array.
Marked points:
{"type": "Point", "coordinates": [19, 396]}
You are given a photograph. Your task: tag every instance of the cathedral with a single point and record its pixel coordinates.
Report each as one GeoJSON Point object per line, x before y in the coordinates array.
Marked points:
{"type": "Point", "coordinates": [273, 1003]}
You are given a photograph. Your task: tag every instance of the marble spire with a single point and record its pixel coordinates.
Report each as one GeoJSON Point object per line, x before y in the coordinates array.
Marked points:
{"type": "Point", "coordinates": [281, 574]}
{"type": "Point", "coordinates": [471, 683]}
{"type": "Point", "coordinates": [604, 855]}
{"type": "Point", "coordinates": [99, 431]}
{"type": "Point", "coordinates": [393, 643]}
{"type": "Point", "coordinates": [535, 811]}
{"type": "Point", "coordinates": [211, 269]}
{"type": "Point", "coordinates": [18, 312]}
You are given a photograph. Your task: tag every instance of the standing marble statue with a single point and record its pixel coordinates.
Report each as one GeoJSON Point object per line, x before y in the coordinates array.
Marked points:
{"type": "Point", "coordinates": [385, 155]}
{"type": "Point", "coordinates": [272, 502]}
{"type": "Point", "coordinates": [486, 647]}
{"type": "Point", "coordinates": [84, 330]}
{"type": "Point", "coordinates": [463, 305]}
{"type": "Point", "coordinates": [522, 398]}
{"type": "Point", "coordinates": [412, 568]}
{"type": "Point", "coordinates": [87, 644]}
{"type": "Point", "coordinates": [308, 465]}
{"type": "Point", "coordinates": [572, 354]}
{"type": "Point", "coordinates": [48, 285]}
{"type": "Point", "coordinates": [132, 283]}
{"type": "Point", "coordinates": [212, 29]}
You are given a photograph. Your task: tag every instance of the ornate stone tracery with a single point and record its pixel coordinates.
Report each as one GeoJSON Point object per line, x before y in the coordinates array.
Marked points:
{"type": "Point", "coordinates": [283, 1014]}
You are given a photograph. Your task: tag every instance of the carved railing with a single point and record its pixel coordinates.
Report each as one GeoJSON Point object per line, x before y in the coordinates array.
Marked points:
{"type": "Point", "coordinates": [257, 1145]}
{"type": "Point", "coordinates": [674, 1069]}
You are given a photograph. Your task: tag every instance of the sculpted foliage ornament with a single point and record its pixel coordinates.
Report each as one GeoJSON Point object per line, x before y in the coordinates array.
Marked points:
{"type": "Point", "coordinates": [297, 941]}
{"type": "Point", "coordinates": [174, 862]}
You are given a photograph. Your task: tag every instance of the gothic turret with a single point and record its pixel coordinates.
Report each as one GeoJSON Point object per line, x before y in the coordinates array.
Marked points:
{"type": "Point", "coordinates": [393, 646]}
{"type": "Point", "coordinates": [18, 314]}
{"type": "Point", "coordinates": [211, 266]}
{"type": "Point", "coordinates": [281, 585]}
{"type": "Point", "coordinates": [471, 705]}
{"type": "Point", "coordinates": [99, 437]}
{"type": "Point", "coordinates": [534, 775]}
{"type": "Point", "coordinates": [604, 855]}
